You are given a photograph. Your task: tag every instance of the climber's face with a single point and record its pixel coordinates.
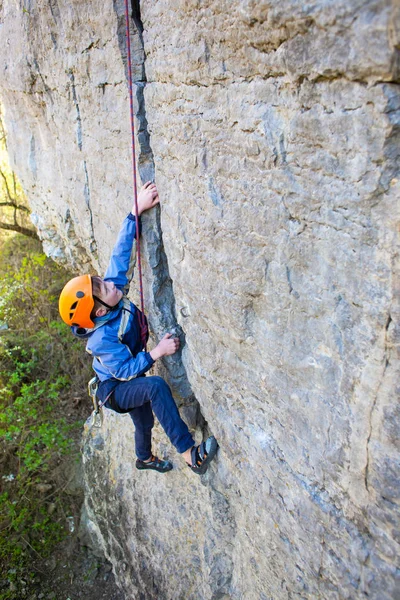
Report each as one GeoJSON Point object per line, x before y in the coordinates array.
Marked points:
{"type": "Point", "coordinates": [109, 293]}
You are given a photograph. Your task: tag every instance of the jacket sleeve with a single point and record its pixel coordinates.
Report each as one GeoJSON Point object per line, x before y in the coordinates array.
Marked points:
{"type": "Point", "coordinates": [116, 358]}
{"type": "Point", "coordinates": [123, 257]}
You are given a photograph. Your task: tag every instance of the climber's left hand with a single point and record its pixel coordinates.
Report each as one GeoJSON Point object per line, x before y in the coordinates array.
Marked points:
{"type": "Point", "coordinates": [148, 197]}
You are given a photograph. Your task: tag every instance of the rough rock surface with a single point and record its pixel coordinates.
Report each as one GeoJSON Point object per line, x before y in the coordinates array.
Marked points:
{"type": "Point", "coordinates": [272, 129]}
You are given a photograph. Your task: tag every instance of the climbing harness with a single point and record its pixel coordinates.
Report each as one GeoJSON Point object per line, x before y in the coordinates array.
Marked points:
{"type": "Point", "coordinates": [142, 320]}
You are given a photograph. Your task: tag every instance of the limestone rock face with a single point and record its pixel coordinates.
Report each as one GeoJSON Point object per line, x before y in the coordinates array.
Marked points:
{"type": "Point", "coordinates": [272, 130]}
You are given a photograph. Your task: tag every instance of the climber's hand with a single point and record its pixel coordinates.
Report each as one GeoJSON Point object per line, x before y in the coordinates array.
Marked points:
{"type": "Point", "coordinates": [148, 197]}
{"type": "Point", "coordinates": [168, 345]}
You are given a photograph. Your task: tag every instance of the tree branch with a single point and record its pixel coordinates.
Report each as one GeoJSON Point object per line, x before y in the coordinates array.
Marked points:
{"type": "Point", "coordinates": [2, 130]}
{"type": "Point", "coordinates": [19, 229]}
{"type": "Point", "coordinates": [6, 186]}
{"type": "Point", "coordinates": [17, 206]}
{"type": "Point", "coordinates": [15, 183]}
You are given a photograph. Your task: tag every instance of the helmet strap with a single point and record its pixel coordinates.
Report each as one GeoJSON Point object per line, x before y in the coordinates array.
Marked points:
{"type": "Point", "coordinates": [105, 304]}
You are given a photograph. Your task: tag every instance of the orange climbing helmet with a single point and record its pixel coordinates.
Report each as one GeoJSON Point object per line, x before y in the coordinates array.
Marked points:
{"type": "Point", "coordinates": [76, 302]}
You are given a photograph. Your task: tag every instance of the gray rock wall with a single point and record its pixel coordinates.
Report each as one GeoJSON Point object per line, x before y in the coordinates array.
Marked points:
{"type": "Point", "coordinates": [272, 129]}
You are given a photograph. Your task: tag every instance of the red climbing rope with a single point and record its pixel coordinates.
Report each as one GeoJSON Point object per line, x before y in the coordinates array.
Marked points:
{"type": "Point", "coordinates": [142, 318]}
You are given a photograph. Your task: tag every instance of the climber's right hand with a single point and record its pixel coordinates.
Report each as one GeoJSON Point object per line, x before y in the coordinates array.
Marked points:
{"type": "Point", "coordinates": [168, 345]}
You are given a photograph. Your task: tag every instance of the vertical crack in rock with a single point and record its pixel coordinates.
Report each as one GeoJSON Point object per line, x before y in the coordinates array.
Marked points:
{"type": "Point", "coordinates": [390, 168]}
{"type": "Point", "coordinates": [86, 193]}
{"type": "Point", "coordinates": [373, 406]}
{"type": "Point", "coordinates": [55, 10]}
{"type": "Point", "coordinates": [78, 111]}
{"type": "Point", "coordinates": [42, 79]}
{"type": "Point", "coordinates": [86, 187]}
{"type": "Point", "coordinates": [163, 312]}
{"type": "Point", "coordinates": [389, 173]}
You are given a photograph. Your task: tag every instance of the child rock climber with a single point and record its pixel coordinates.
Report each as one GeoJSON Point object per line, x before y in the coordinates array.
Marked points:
{"type": "Point", "coordinates": [99, 311]}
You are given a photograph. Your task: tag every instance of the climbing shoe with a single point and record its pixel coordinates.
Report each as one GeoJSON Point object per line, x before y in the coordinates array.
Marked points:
{"type": "Point", "coordinates": [202, 455]}
{"type": "Point", "coordinates": [155, 464]}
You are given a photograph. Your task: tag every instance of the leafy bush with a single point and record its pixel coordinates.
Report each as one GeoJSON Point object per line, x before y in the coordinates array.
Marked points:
{"type": "Point", "coordinates": [39, 363]}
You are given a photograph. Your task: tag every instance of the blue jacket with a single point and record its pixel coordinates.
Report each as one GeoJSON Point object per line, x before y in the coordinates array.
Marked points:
{"type": "Point", "coordinates": [115, 345]}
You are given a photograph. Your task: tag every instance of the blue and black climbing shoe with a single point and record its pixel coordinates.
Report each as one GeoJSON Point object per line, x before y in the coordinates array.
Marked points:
{"type": "Point", "coordinates": [155, 464]}
{"type": "Point", "coordinates": [202, 455]}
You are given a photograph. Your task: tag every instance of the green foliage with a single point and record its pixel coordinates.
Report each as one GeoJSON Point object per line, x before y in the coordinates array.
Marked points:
{"type": "Point", "coordinates": [39, 363]}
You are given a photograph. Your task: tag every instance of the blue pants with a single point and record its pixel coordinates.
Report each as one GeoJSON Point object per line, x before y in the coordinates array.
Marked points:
{"type": "Point", "coordinates": [140, 397]}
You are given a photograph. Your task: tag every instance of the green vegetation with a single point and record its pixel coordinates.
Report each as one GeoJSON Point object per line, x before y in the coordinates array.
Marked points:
{"type": "Point", "coordinates": [42, 368]}
{"type": "Point", "coordinates": [43, 377]}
